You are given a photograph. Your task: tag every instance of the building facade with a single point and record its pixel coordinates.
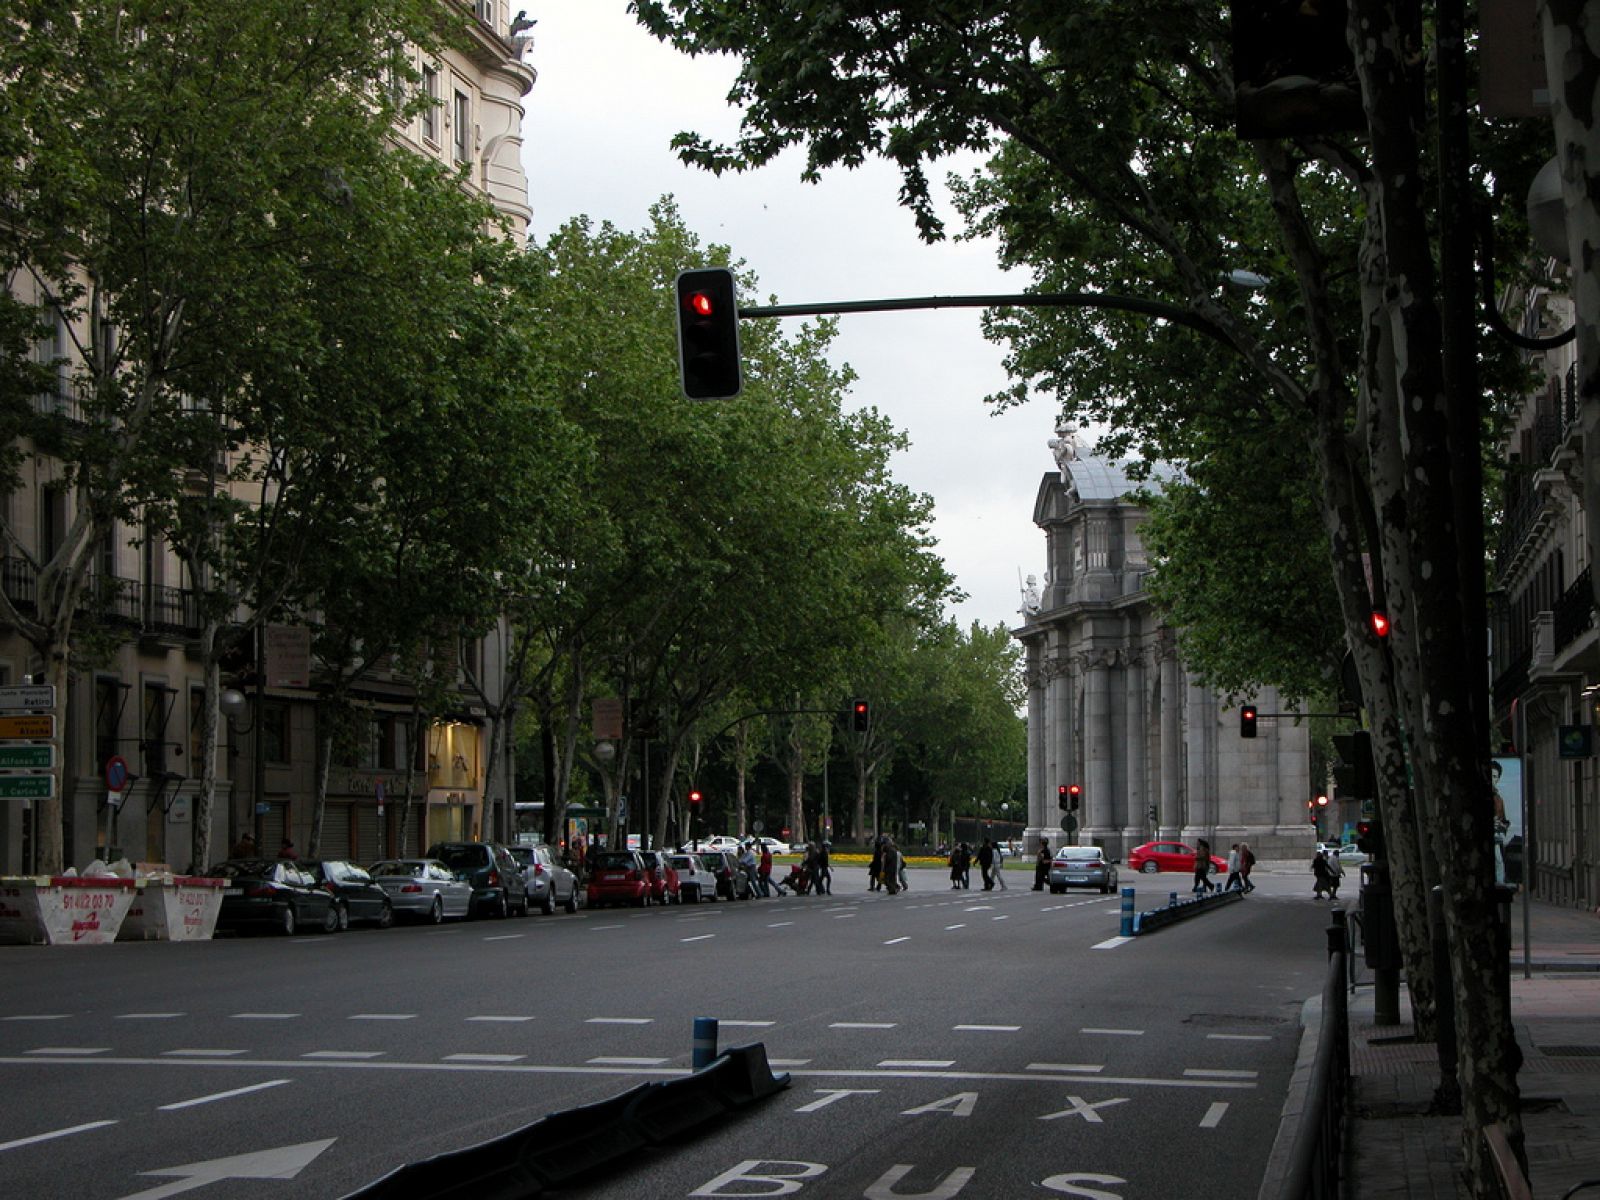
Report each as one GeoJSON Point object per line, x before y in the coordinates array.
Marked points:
{"type": "Point", "coordinates": [1545, 645]}
{"type": "Point", "coordinates": [143, 701]}
{"type": "Point", "coordinates": [1112, 708]}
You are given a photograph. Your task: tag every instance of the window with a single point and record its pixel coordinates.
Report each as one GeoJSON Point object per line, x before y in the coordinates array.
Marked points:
{"type": "Point", "coordinates": [430, 114]}
{"type": "Point", "coordinates": [274, 732]}
{"type": "Point", "coordinates": [107, 708]}
{"type": "Point", "coordinates": [485, 11]}
{"type": "Point", "coordinates": [463, 127]}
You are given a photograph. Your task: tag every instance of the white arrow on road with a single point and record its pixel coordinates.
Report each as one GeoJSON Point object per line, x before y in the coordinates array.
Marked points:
{"type": "Point", "coordinates": [284, 1162]}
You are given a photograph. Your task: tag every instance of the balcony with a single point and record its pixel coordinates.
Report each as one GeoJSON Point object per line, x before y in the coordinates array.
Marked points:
{"type": "Point", "coordinates": [1574, 613]}
{"type": "Point", "coordinates": [150, 610]}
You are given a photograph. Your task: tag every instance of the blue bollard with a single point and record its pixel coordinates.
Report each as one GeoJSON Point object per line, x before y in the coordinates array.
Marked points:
{"type": "Point", "coordinates": [1127, 912]}
{"type": "Point", "coordinates": [705, 1042]}
{"type": "Point", "coordinates": [1172, 899]}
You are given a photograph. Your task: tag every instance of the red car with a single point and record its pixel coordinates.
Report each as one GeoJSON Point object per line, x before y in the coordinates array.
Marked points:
{"type": "Point", "coordinates": [1169, 856]}
{"type": "Point", "coordinates": [664, 887]}
{"type": "Point", "coordinates": [619, 877]}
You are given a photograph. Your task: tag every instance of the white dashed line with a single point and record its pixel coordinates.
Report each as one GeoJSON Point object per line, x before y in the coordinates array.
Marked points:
{"type": "Point", "coordinates": [699, 937]}
{"type": "Point", "coordinates": [45, 1137]}
{"type": "Point", "coordinates": [1199, 1073]}
{"type": "Point", "coordinates": [1116, 1032]}
{"type": "Point", "coordinates": [342, 1054]}
{"type": "Point", "coordinates": [485, 1058]}
{"type": "Point", "coordinates": [383, 1016]}
{"type": "Point", "coordinates": [745, 1024]}
{"type": "Point", "coordinates": [896, 941]}
{"type": "Point", "coordinates": [948, 928]}
{"type": "Point", "coordinates": [843, 916]}
{"type": "Point", "coordinates": [503, 937]}
{"type": "Point", "coordinates": [1239, 1037]}
{"type": "Point", "coordinates": [980, 908]}
{"type": "Point", "coordinates": [37, 1017]}
{"type": "Point", "coordinates": [862, 1025]}
{"type": "Point", "coordinates": [1089, 1068]}
{"type": "Point", "coordinates": [507, 1020]}
{"type": "Point", "coordinates": [626, 1062]}
{"type": "Point", "coordinates": [264, 1016]}
{"type": "Point", "coordinates": [598, 928]}
{"type": "Point", "coordinates": [228, 1095]}
{"type": "Point", "coordinates": [619, 1020]}
{"type": "Point", "coordinates": [1213, 1116]}
{"type": "Point", "coordinates": [70, 1050]}
{"type": "Point", "coordinates": [787, 1062]}
{"type": "Point", "coordinates": [1001, 917]}
{"type": "Point", "coordinates": [934, 1063]}
{"type": "Point", "coordinates": [988, 1028]}
{"type": "Point", "coordinates": [1111, 943]}
{"type": "Point", "coordinates": [168, 1016]}
{"type": "Point", "coordinates": [779, 924]}
{"type": "Point", "coordinates": [200, 1053]}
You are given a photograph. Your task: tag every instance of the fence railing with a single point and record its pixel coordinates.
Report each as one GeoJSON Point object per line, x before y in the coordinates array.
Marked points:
{"type": "Point", "coordinates": [1318, 1150]}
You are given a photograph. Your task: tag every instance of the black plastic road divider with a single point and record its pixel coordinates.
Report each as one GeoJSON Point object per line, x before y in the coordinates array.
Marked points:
{"type": "Point", "coordinates": [1179, 910]}
{"type": "Point", "coordinates": [566, 1148]}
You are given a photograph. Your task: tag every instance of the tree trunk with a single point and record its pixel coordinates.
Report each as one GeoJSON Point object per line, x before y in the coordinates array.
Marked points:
{"type": "Point", "coordinates": [319, 805]}
{"type": "Point", "coordinates": [205, 800]}
{"type": "Point", "coordinates": [859, 826]}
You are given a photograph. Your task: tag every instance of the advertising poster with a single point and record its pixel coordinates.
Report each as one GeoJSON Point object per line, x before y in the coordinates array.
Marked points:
{"type": "Point", "coordinates": [1506, 775]}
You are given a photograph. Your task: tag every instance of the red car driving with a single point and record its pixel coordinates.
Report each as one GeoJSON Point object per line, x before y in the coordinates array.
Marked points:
{"type": "Point", "coordinates": [1169, 856]}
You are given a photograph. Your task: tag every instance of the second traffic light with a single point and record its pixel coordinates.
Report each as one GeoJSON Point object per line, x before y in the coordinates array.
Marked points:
{"type": "Point", "coordinates": [1247, 721]}
{"type": "Point", "coordinates": [1069, 796]}
{"type": "Point", "coordinates": [860, 715]}
{"type": "Point", "coordinates": [708, 334]}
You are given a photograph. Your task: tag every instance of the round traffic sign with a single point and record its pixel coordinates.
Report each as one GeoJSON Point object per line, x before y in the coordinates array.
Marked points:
{"type": "Point", "coordinates": [116, 773]}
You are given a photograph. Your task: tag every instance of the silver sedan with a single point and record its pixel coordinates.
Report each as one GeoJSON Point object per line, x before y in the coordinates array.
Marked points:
{"type": "Point", "coordinates": [422, 888]}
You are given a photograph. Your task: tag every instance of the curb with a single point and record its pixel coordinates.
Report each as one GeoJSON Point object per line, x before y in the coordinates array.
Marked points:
{"type": "Point", "coordinates": [1294, 1102]}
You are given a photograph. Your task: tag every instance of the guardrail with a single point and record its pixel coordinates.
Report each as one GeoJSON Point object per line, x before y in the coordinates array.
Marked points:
{"type": "Point", "coordinates": [1318, 1148]}
{"type": "Point", "coordinates": [1173, 910]}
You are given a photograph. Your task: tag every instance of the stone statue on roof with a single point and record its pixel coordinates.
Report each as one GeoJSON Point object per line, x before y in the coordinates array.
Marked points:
{"type": "Point", "coordinates": [1064, 445]}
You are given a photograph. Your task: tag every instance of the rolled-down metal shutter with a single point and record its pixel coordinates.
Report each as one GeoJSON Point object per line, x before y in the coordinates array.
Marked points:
{"type": "Point", "coordinates": [367, 849]}
{"type": "Point", "coordinates": [335, 831]}
{"type": "Point", "coordinates": [272, 834]}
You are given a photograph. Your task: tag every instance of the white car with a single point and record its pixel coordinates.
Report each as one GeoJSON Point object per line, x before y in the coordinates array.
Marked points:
{"type": "Point", "coordinates": [775, 845]}
{"type": "Point", "coordinates": [696, 881]}
{"type": "Point", "coordinates": [700, 845]}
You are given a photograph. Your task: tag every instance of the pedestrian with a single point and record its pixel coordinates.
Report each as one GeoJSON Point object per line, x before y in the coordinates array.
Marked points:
{"type": "Point", "coordinates": [1234, 862]}
{"type": "Point", "coordinates": [1041, 865]}
{"type": "Point", "coordinates": [900, 870]}
{"type": "Point", "coordinates": [966, 865]}
{"type": "Point", "coordinates": [245, 847]}
{"type": "Point", "coordinates": [751, 869]}
{"type": "Point", "coordinates": [1247, 859]}
{"type": "Point", "coordinates": [824, 869]}
{"type": "Point", "coordinates": [955, 868]}
{"type": "Point", "coordinates": [1000, 867]}
{"type": "Point", "coordinates": [986, 864]}
{"type": "Point", "coordinates": [1335, 873]}
{"type": "Point", "coordinates": [892, 866]}
{"type": "Point", "coordinates": [1202, 868]}
{"type": "Point", "coordinates": [764, 871]}
{"type": "Point", "coordinates": [1320, 873]}
{"type": "Point", "coordinates": [287, 850]}
{"type": "Point", "coordinates": [875, 867]}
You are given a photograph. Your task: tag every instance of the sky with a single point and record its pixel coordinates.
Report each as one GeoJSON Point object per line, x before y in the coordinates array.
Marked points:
{"type": "Point", "coordinates": [597, 142]}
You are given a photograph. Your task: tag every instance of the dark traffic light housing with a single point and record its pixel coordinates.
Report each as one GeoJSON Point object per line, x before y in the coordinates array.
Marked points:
{"type": "Point", "coordinates": [1369, 837]}
{"type": "Point", "coordinates": [1074, 797]}
{"type": "Point", "coordinates": [708, 334]}
{"type": "Point", "coordinates": [1247, 721]}
{"type": "Point", "coordinates": [860, 715]}
{"type": "Point", "coordinates": [1061, 796]}
{"type": "Point", "coordinates": [694, 798]}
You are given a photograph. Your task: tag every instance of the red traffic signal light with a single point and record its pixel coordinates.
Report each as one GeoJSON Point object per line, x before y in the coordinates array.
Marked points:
{"type": "Point", "coordinates": [1061, 796]}
{"type": "Point", "coordinates": [860, 715]}
{"type": "Point", "coordinates": [1074, 796]}
{"type": "Point", "coordinates": [1379, 621]}
{"type": "Point", "coordinates": [708, 334]}
{"type": "Point", "coordinates": [1247, 721]}
{"type": "Point", "coordinates": [1322, 801]}
{"type": "Point", "coordinates": [694, 798]}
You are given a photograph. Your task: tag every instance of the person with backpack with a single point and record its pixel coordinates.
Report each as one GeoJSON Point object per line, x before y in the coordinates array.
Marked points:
{"type": "Point", "coordinates": [1247, 859]}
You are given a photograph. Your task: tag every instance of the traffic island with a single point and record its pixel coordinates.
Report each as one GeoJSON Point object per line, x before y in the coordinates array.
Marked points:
{"type": "Point", "coordinates": [1174, 910]}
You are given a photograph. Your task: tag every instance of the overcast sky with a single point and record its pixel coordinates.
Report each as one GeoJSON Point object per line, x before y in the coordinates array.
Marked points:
{"type": "Point", "coordinates": [597, 136]}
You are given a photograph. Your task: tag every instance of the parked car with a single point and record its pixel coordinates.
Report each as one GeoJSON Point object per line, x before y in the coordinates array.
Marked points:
{"type": "Point", "coordinates": [665, 887]}
{"type": "Point", "coordinates": [1082, 866]}
{"type": "Point", "coordinates": [775, 846]}
{"type": "Point", "coordinates": [496, 877]}
{"type": "Point", "coordinates": [423, 889]}
{"type": "Point", "coordinates": [1169, 856]}
{"type": "Point", "coordinates": [618, 877]}
{"type": "Point", "coordinates": [732, 882]}
{"type": "Point", "coordinates": [697, 878]}
{"type": "Point", "coordinates": [355, 896]}
{"type": "Point", "coordinates": [272, 894]}
{"type": "Point", "coordinates": [549, 883]}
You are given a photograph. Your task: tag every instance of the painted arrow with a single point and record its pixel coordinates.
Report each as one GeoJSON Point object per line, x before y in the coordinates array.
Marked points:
{"type": "Point", "coordinates": [284, 1162]}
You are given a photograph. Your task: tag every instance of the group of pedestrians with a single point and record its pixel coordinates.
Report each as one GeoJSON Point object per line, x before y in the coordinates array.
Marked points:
{"type": "Point", "coordinates": [991, 863]}
{"type": "Point", "coordinates": [813, 873]}
{"type": "Point", "coordinates": [887, 870]}
{"type": "Point", "coordinates": [1241, 860]}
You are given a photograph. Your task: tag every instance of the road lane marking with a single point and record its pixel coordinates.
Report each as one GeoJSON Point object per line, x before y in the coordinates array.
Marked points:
{"type": "Point", "coordinates": [57, 1133]}
{"type": "Point", "coordinates": [745, 1024]}
{"type": "Point", "coordinates": [383, 1016]}
{"type": "Point", "coordinates": [1111, 943]}
{"type": "Point", "coordinates": [74, 1050]}
{"type": "Point", "coordinates": [343, 1054]}
{"type": "Point", "coordinates": [1239, 1037]}
{"type": "Point", "coordinates": [505, 1019]}
{"type": "Point", "coordinates": [1001, 917]}
{"type": "Point", "coordinates": [619, 1020]}
{"type": "Point", "coordinates": [988, 1028]}
{"type": "Point", "coordinates": [202, 1053]}
{"type": "Point", "coordinates": [787, 1062]}
{"type": "Point", "coordinates": [829, 1095]}
{"type": "Point", "coordinates": [980, 908]}
{"type": "Point", "coordinates": [1201, 1073]}
{"type": "Point", "coordinates": [948, 928]}
{"type": "Point", "coordinates": [264, 1016]}
{"type": "Point", "coordinates": [699, 937]}
{"type": "Point", "coordinates": [598, 928]}
{"type": "Point", "coordinates": [896, 941]}
{"type": "Point", "coordinates": [779, 924]}
{"type": "Point", "coordinates": [503, 937]}
{"type": "Point", "coordinates": [843, 916]}
{"type": "Point", "coordinates": [622, 1061]}
{"type": "Point", "coordinates": [1082, 1108]}
{"type": "Point", "coordinates": [228, 1095]}
{"type": "Point", "coordinates": [37, 1017]}
{"type": "Point", "coordinates": [862, 1025]}
{"type": "Point", "coordinates": [485, 1058]}
{"type": "Point", "coordinates": [1213, 1116]}
{"type": "Point", "coordinates": [936, 1063]}
{"type": "Point", "coordinates": [1115, 1032]}
{"type": "Point", "coordinates": [1089, 1067]}
{"type": "Point", "coordinates": [162, 1016]}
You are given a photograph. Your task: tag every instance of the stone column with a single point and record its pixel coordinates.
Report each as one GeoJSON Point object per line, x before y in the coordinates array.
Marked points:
{"type": "Point", "coordinates": [1136, 766]}
{"type": "Point", "coordinates": [1200, 775]}
{"type": "Point", "coordinates": [1171, 813]}
{"type": "Point", "coordinates": [1098, 821]}
{"type": "Point", "coordinates": [1038, 710]}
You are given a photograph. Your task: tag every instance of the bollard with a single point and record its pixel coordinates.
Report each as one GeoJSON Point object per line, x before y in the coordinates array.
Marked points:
{"type": "Point", "coordinates": [1127, 912]}
{"type": "Point", "coordinates": [1172, 899]}
{"type": "Point", "coordinates": [705, 1042]}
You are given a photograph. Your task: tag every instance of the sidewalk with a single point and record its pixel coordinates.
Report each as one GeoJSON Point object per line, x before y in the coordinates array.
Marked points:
{"type": "Point", "coordinates": [1396, 1150]}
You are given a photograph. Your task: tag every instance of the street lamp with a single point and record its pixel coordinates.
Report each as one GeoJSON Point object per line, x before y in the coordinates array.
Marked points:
{"type": "Point", "coordinates": [233, 704]}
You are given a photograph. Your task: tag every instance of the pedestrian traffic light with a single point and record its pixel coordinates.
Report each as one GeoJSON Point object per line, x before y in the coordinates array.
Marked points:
{"type": "Point", "coordinates": [860, 715]}
{"type": "Point", "coordinates": [1061, 797]}
{"type": "Point", "coordinates": [1247, 721]}
{"type": "Point", "coordinates": [1369, 837]}
{"type": "Point", "coordinates": [1074, 797]}
{"type": "Point", "coordinates": [708, 334]}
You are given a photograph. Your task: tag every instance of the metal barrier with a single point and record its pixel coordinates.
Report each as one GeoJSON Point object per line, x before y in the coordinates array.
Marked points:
{"type": "Point", "coordinates": [1317, 1156]}
{"type": "Point", "coordinates": [1178, 910]}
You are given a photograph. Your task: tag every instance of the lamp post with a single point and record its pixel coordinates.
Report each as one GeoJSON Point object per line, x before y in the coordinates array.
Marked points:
{"type": "Point", "coordinates": [605, 752]}
{"type": "Point", "coordinates": [233, 704]}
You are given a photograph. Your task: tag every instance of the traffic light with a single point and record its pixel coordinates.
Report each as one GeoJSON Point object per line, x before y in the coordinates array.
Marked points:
{"type": "Point", "coordinates": [1379, 623]}
{"type": "Point", "coordinates": [1322, 800]}
{"type": "Point", "coordinates": [1353, 773]}
{"type": "Point", "coordinates": [708, 334]}
{"type": "Point", "coordinates": [1247, 721]}
{"type": "Point", "coordinates": [1369, 837]}
{"type": "Point", "coordinates": [860, 715]}
{"type": "Point", "coordinates": [1061, 797]}
{"type": "Point", "coordinates": [694, 798]}
{"type": "Point", "coordinates": [1074, 797]}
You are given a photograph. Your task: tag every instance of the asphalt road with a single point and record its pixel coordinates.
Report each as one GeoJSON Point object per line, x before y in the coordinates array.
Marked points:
{"type": "Point", "coordinates": [939, 1044]}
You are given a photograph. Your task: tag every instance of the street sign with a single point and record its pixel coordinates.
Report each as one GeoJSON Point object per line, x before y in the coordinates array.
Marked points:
{"type": "Point", "coordinates": [116, 773]}
{"type": "Point", "coordinates": [27, 787]}
{"type": "Point", "coordinates": [27, 727]}
{"type": "Point", "coordinates": [27, 758]}
{"type": "Point", "coordinates": [1069, 824]}
{"type": "Point", "coordinates": [28, 695]}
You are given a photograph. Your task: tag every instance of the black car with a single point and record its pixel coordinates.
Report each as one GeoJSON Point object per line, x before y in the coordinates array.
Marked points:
{"type": "Point", "coordinates": [354, 894]}
{"type": "Point", "coordinates": [496, 878]}
{"type": "Point", "coordinates": [265, 893]}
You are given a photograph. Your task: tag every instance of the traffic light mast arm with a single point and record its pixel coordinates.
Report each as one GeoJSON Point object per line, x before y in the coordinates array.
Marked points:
{"type": "Point", "coordinates": [1160, 309]}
